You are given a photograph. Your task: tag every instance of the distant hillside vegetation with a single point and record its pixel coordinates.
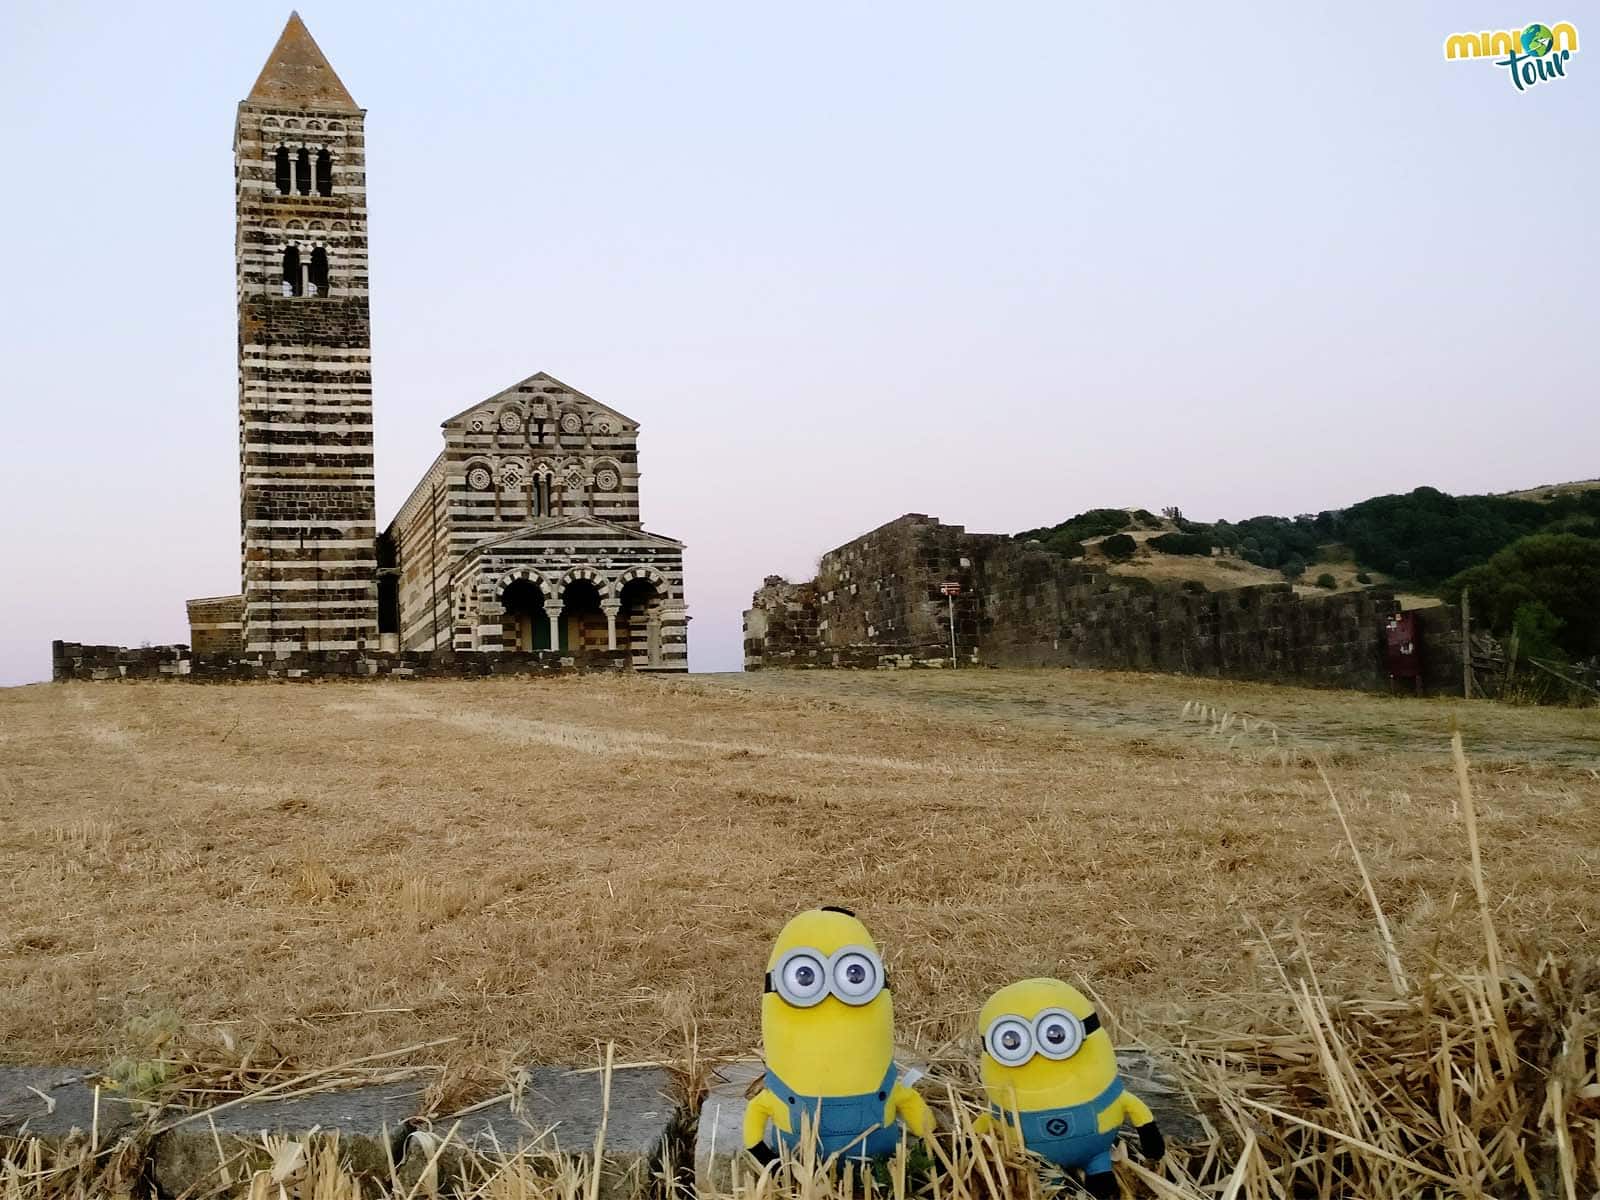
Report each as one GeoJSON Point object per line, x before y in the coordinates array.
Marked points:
{"type": "Point", "coordinates": [1533, 558]}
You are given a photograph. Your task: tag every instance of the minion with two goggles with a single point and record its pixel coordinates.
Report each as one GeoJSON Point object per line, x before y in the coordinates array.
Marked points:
{"type": "Point", "coordinates": [827, 1032]}
{"type": "Point", "coordinates": [1050, 1072]}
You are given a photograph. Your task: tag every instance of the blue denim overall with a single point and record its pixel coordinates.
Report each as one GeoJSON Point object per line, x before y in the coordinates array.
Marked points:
{"type": "Point", "coordinates": [839, 1121]}
{"type": "Point", "coordinates": [1071, 1137]}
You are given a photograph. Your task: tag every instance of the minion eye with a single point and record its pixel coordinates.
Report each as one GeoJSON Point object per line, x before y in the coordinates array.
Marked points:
{"type": "Point", "coordinates": [857, 976]}
{"type": "Point", "coordinates": [802, 979]}
{"type": "Point", "coordinates": [1010, 1041]}
{"type": "Point", "coordinates": [1059, 1034]}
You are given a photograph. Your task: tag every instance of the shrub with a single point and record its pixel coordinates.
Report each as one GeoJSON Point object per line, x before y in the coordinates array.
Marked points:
{"type": "Point", "coordinates": [1119, 546]}
{"type": "Point", "coordinates": [1294, 568]}
{"type": "Point", "coordinates": [1066, 539]}
{"type": "Point", "coordinates": [1537, 630]}
{"type": "Point", "coordinates": [1363, 577]}
{"type": "Point", "coordinates": [1181, 543]}
{"type": "Point", "coordinates": [1326, 580]}
{"type": "Point", "coordinates": [1429, 535]}
{"type": "Point", "coordinates": [1557, 572]}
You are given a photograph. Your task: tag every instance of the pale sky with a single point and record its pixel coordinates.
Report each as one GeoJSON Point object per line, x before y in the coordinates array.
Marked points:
{"type": "Point", "coordinates": [994, 262]}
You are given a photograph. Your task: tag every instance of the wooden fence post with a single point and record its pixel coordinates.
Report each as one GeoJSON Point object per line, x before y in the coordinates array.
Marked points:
{"type": "Point", "coordinates": [1466, 643]}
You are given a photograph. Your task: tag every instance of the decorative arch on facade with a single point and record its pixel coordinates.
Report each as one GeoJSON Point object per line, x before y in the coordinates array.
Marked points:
{"type": "Point", "coordinates": [478, 472]}
{"type": "Point", "coordinates": [646, 573]}
{"type": "Point", "coordinates": [608, 475]}
{"type": "Point", "coordinates": [602, 583]}
{"type": "Point", "coordinates": [499, 584]}
{"type": "Point", "coordinates": [512, 473]}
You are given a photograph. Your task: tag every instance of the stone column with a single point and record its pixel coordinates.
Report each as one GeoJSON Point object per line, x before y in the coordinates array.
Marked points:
{"type": "Point", "coordinates": [654, 637]}
{"type": "Point", "coordinates": [611, 608]}
{"type": "Point", "coordinates": [552, 612]}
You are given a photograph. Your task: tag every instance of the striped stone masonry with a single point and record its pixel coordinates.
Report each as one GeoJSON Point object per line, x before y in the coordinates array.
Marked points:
{"type": "Point", "coordinates": [216, 625]}
{"type": "Point", "coordinates": [522, 541]}
{"type": "Point", "coordinates": [525, 534]}
{"type": "Point", "coordinates": [308, 525]}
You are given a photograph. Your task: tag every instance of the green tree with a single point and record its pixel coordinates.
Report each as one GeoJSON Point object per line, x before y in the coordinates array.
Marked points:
{"type": "Point", "coordinates": [1181, 543]}
{"type": "Point", "coordinates": [1558, 571]}
{"type": "Point", "coordinates": [1325, 580]}
{"type": "Point", "coordinates": [1536, 628]}
{"type": "Point", "coordinates": [1293, 569]}
{"type": "Point", "coordinates": [1119, 546]}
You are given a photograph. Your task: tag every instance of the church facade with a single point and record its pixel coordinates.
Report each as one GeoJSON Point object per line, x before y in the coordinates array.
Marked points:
{"type": "Point", "coordinates": [524, 534]}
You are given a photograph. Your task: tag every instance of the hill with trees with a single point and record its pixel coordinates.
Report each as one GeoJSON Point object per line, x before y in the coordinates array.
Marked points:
{"type": "Point", "coordinates": [1531, 559]}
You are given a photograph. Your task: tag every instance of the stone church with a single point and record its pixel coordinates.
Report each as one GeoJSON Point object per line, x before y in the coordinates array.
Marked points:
{"type": "Point", "coordinates": [524, 534]}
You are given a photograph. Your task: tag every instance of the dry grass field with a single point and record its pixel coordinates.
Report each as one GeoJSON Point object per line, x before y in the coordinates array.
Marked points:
{"type": "Point", "coordinates": [320, 872]}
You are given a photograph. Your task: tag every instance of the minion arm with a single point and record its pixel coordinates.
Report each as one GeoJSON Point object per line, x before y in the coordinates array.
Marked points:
{"type": "Point", "coordinates": [1151, 1144]}
{"type": "Point", "coordinates": [763, 1108]}
{"type": "Point", "coordinates": [910, 1108]}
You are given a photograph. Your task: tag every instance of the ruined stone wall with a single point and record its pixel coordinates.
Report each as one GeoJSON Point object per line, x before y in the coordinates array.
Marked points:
{"type": "Point", "coordinates": [876, 601]}
{"type": "Point", "coordinates": [72, 661]}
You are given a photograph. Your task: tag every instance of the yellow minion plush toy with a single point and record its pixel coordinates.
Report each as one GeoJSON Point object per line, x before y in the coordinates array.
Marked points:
{"type": "Point", "coordinates": [1051, 1072]}
{"type": "Point", "coordinates": [827, 1032]}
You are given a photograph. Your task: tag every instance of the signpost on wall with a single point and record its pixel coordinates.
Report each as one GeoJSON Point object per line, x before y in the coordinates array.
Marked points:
{"type": "Point", "coordinates": [951, 590]}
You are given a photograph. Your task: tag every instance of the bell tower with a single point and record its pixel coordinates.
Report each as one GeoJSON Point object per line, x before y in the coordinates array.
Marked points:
{"type": "Point", "coordinates": [307, 521]}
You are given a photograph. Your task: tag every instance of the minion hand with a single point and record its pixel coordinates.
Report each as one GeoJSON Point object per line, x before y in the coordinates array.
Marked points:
{"type": "Point", "coordinates": [764, 1154]}
{"type": "Point", "coordinates": [910, 1108]}
{"type": "Point", "coordinates": [1151, 1144]}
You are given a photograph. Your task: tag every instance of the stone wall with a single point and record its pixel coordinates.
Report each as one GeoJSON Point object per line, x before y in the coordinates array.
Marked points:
{"type": "Point", "coordinates": [216, 625]}
{"type": "Point", "coordinates": [876, 601]}
{"type": "Point", "coordinates": [72, 661]}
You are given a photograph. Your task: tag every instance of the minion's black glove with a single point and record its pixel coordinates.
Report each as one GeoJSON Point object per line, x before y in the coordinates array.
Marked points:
{"type": "Point", "coordinates": [762, 1153]}
{"type": "Point", "coordinates": [1151, 1144]}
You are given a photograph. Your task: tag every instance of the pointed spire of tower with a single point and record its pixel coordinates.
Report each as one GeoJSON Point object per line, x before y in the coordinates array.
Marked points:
{"type": "Point", "coordinates": [298, 75]}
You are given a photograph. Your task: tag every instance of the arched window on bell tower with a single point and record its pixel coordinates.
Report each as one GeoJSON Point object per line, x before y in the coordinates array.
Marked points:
{"type": "Point", "coordinates": [324, 173]}
{"type": "Point", "coordinates": [280, 164]}
{"type": "Point", "coordinates": [319, 272]}
{"type": "Point", "coordinates": [302, 170]}
{"type": "Point", "coordinates": [292, 282]}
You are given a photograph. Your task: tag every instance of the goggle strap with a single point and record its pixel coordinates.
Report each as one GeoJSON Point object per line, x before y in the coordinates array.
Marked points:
{"type": "Point", "coordinates": [1091, 1024]}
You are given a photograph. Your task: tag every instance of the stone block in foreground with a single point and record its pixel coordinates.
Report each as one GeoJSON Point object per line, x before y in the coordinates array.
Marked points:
{"type": "Point", "coordinates": [370, 1123]}
{"type": "Point", "coordinates": [560, 1112]}
{"type": "Point", "coordinates": [52, 1103]}
{"type": "Point", "coordinates": [719, 1143]}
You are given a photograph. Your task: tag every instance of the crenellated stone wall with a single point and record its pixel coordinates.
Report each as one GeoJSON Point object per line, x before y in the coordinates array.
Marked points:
{"type": "Point", "coordinates": [876, 601]}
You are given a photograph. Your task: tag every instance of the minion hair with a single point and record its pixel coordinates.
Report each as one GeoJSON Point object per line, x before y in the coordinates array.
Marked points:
{"type": "Point", "coordinates": [849, 912]}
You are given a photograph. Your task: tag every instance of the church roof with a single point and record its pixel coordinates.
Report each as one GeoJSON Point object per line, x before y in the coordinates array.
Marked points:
{"type": "Point", "coordinates": [536, 380]}
{"type": "Point", "coordinates": [298, 75]}
{"type": "Point", "coordinates": [542, 531]}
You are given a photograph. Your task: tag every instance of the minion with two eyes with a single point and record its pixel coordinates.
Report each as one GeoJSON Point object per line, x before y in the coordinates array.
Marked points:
{"type": "Point", "coordinates": [827, 1032]}
{"type": "Point", "coordinates": [1050, 1073]}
